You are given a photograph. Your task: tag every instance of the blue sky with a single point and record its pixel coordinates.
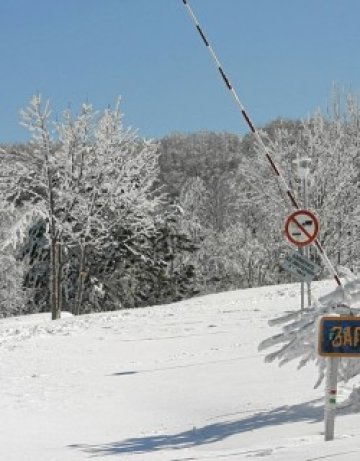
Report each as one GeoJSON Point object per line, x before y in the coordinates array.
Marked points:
{"type": "Point", "coordinates": [282, 56]}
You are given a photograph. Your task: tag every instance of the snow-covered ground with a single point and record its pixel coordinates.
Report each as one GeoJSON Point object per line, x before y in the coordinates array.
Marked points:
{"type": "Point", "coordinates": [182, 382]}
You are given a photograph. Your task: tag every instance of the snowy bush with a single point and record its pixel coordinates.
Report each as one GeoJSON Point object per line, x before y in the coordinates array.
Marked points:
{"type": "Point", "coordinates": [298, 339]}
{"type": "Point", "coordinates": [14, 225]}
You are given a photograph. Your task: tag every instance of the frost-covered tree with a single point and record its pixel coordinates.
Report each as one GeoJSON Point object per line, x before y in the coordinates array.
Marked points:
{"type": "Point", "coordinates": [112, 183]}
{"type": "Point", "coordinates": [18, 211]}
{"type": "Point", "coordinates": [229, 255]}
{"type": "Point", "coordinates": [331, 142]}
{"type": "Point", "coordinates": [91, 178]}
{"type": "Point", "coordinates": [298, 338]}
{"type": "Point", "coordinates": [14, 224]}
{"type": "Point", "coordinates": [39, 185]}
{"type": "Point", "coordinates": [194, 203]}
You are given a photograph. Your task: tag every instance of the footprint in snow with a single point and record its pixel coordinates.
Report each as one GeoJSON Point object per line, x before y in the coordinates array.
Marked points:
{"type": "Point", "coordinates": [261, 453]}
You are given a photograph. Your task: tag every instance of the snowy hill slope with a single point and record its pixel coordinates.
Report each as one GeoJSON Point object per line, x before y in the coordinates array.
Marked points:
{"type": "Point", "coordinates": [179, 382]}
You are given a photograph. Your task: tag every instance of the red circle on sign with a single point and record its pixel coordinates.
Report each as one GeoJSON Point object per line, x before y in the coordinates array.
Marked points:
{"type": "Point", "coordinates": [297, 225]}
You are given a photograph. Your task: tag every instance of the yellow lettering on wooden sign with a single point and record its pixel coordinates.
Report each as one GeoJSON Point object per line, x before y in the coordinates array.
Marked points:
{"type": "Point", "coordinates": [348, 340]}
{"type": "Point", "coordinates": [337, 337]}
{"type": "Point", "coordinates": [356, 336]}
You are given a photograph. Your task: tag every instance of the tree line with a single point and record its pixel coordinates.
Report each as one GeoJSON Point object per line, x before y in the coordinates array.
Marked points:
{"type": "Point", "coordinates": [95, 218]}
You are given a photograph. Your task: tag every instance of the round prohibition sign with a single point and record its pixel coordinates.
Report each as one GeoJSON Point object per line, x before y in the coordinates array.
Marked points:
{"type": "Point", "coordinates": [302, 227]}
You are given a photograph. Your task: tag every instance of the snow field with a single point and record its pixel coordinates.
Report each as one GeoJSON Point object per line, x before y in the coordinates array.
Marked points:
{"type": "Point", "coordinates": [177, 382]}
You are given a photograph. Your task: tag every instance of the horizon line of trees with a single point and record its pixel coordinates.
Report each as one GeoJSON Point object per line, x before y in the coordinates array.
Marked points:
{"type": "Point", "coordinates": [95, 218]}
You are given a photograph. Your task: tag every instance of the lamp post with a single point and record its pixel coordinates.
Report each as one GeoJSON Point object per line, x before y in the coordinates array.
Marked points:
{"type": "Point", "coordinates": [303, 169]}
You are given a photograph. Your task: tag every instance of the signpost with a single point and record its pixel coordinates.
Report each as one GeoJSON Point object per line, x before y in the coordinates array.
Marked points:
{"type": "Point", "coordinates": [332, 364]}
{"type": "Point", "coordinates": [302, 228]}
{"type": "Point", "coordinates": [338, 337]}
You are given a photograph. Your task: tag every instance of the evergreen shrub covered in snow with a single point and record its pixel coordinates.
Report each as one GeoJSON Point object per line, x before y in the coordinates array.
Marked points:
{"type": "Point", "coordinates": [298, 339]}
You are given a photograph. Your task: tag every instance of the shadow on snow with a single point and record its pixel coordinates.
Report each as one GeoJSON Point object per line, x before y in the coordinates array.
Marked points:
{"type": "Point", "coordinates": [211, 433]}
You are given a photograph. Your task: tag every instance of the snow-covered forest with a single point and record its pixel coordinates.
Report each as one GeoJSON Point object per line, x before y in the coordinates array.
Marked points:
{"type": "Point", "coordinates": [95, 218]}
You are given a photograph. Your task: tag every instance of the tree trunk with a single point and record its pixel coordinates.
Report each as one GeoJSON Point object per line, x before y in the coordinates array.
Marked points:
{"type": "Point", "coordinates": [58, 287]}
{"type": "Point", "coordinates": [53, 280]}
{"type": "Point", "coordinates": [55, 313]}
{"type": "Point", "coordinates": [80, 291]}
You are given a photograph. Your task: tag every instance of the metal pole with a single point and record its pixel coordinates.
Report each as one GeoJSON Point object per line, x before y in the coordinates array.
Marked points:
{"type": "Point", "coordinates": [332, 364]}
{"type": "Point", "coordinates": [302, 288]}
{"type": "Point", "coordinates": [302, 250]}
{"type": "Point", "coordinates": [307, 249]}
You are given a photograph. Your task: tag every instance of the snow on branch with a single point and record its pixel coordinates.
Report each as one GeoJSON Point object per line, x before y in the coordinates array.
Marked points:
{"type": "Point", "coordinates": [18, 232]}
{"type": "Point", "coordinates": [298, 338]}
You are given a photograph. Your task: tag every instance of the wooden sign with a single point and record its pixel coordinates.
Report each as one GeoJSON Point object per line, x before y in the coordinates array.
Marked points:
{"type": "Point", "coordinates": [339, 336]}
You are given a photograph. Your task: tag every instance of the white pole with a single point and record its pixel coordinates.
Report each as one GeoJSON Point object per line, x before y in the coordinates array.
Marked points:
{"type": "Point", "coordinates": [302, 288]}
{"type": "Point", "coordinates": [332, 364]}
{"type": "Point", "coordinates": [302, 251]}
{"type": "Point", "coordinates": [307, 248]}
{"type": "Point", "coordinates": [303, 170]}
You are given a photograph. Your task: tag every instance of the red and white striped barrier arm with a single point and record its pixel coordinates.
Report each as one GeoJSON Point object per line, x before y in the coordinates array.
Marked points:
{"type": "Point", "coordinates": [252, 127]}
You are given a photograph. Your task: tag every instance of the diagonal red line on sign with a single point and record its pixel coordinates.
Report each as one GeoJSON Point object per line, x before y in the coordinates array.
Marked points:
{"type": "Point", "coordinates": [302, 228]}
